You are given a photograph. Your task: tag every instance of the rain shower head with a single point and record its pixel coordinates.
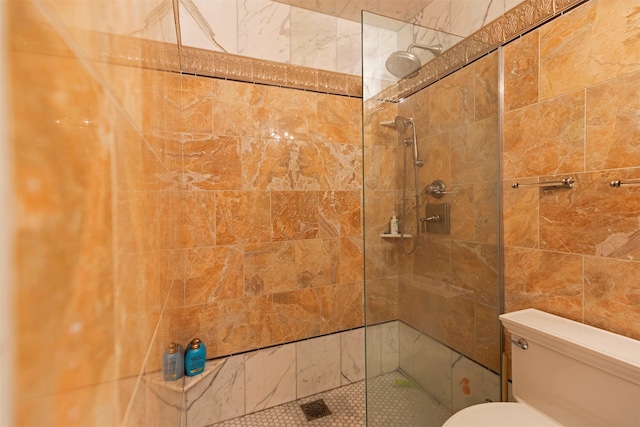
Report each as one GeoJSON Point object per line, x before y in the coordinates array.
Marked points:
{"type": "Point", "coordinates": [404, 63]}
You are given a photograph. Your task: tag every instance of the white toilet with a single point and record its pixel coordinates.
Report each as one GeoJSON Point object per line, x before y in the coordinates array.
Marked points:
{"type": "Point", "coordinates": [564, 373]}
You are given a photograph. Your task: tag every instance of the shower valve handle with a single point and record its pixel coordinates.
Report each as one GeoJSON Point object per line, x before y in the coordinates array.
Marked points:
{"type": "Point", "coordinates": [433, 218]}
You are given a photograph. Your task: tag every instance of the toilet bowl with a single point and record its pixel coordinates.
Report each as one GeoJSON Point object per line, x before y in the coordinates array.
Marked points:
{"type": "Point", "coordinates": [564, 373]}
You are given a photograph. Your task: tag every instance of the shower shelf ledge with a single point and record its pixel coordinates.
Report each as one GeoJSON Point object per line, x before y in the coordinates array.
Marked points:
{"type": "Point", "coordinates": [395, 236]}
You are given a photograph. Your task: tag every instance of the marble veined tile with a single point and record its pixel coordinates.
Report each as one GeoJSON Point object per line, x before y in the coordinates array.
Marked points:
{"type": "Point", "coordinates": [219, 396]}
{"type": "Point", "coordinates": [389, 355]}
{"type": "Point", "coordinates": [264, 29]}
{"type": "Point", "coordinates": [433, 368]}
{"type": "Point", "coordinates": [407, 337]}
{"type": "Point", "coordinates": [472, 384]}
{"type": "Point", "coordinates": [313, 39]}
{"type": "Point", "coordinates": [468, 16]}
{"type": "Point", "coordinates": [352, 356]}
{"type": "Point", "coordinates": [436, 15]}
{"type": "Point", "coordinates": [211, 25]}
{"type": "Point", "coordinates": [318, 365]}
{"type": "Point", "coordinates": [270, 377]}
{"type": "Point", "coordinates": [348, 47]}
{"type": "Point", "coordinates": [373, 346]}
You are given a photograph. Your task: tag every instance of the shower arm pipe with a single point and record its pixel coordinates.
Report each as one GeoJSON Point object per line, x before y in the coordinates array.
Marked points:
{"type": "Point", "coordinates": [432, 49]}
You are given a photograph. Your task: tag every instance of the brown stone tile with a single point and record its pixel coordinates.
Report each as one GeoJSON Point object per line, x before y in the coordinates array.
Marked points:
{"type": "Point", "coordinates": [521, 71]}
{"type": "Point", "coordinates": [611, 296]}
{"type": "Point", "coordinates": [294, 215]}
{"type": "Point", "coordinates": [138, 221]}
{"type": "Point", "coordinates": [474, 266]}
{"type": "Point", "coordinates": [269, 268]}
{"type": "Point", "coordinates": [593, 43]}
{"type": "Point", "coordinates": [237, 108]}
{"type": "Point", "coordinates": [548, 281]}
{"type": "Point", "coordinates": [213, 274]}
{"type": "Point", "coordinates": [434, 254]}
{"type": "Point", "coordinates": [416, 107]}
{"type": "Point", "coordinates": [317, 262]}
{"type": "Point", "coordinates": [475, 152]}
{"type": "Point", "coordinates": [292, 113]}
{"type": "Point", "coordinates": [613, 130]}
{"type": "Point", "coordinates": [451, 102]}
{"type": "Point", "coordinates": [462, 215]}
{"type": "Point", "coordinates": [451, 320]}
{"type": "Point", "coordinates": [573, 221]}
{"type": "Point", "coordinates": [381, 300]}
{"type": "Point", "coordinates": [166, 215]}
{"type": "Point", "coordinates": [339, 167]}
{"type": "Point", "coordinates": [196, 223]}
{"type": "Point", "coordinates": [242, 217]}
{"type": "Point", "coordinates": [339, 119]}
{"type": "Point", "coordinates": [486, 87]}
{"type": "Point", "coordinates": [545, 138]}
{"type": "Point", "coordinates": [295, 315]}
{"type": "Point", "coordinates": [272, 164]}
{"type": "Point", "coordinates": [487, 350]}
{"type": "Point", "coordinates": [139, 163]}
{"type": "Point", "coordinates": [380, 174]}
{"type": "Point", "coordinates": [212, 163]}
{"type": "Point", "coordinates": [436, 153]}
{"type": "Point", "coordinates": [172, 102]}
{"type": "Point", "coordinates": [351, 259]}
{"type": "Point", "coordinates": [410, 302]}
{"type": "Point", "coordinates": [339, 213]}
{"type": "Point", "coordinates": [487, 211]}
{"type": "Point", "coordinates": [196, 99]}
{"type": "Point", "coordinates": [241, 324]}
{"type": "Point", "coordinates": [200, 321]}
{"type": "Point", "coordinates": [520, 214]}
{"type": "Point", "coordinates": [340, 307]}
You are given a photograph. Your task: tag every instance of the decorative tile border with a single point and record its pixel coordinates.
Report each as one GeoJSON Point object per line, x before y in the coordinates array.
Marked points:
{"type": "Point", "coordinates": [129, 51]}
{"type": "Point", "coordinates": [522, 18]}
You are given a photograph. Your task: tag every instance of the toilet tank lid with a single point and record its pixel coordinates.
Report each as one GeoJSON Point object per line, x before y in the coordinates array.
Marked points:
{"type": "Point", "coordinates": [606, 350]}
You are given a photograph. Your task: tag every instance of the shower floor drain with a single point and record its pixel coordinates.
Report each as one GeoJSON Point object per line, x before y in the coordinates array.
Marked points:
{"type": "Point", "coordinates": [316, 409]}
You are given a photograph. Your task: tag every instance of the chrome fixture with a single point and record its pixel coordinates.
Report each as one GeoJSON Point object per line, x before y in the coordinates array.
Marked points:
{"type": "Point", "coordinates": [630, 183]}
{"type": "Point", "coordinates": [522, 343]}
{"type": "Point", "coordinates": [436, 189]}
{"type": "Point", "coordinates": [401, 124]}
{"type": "Point", "coordinates": [565, 183]}
{"type": "Point", "coordinates": [437, 219]}
{"type": "Point", "coordinates": [406, 64]}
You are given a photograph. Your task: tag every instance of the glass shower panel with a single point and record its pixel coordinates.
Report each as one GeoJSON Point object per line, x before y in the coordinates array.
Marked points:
{"type": "Point", "coordinates": [432, 292]}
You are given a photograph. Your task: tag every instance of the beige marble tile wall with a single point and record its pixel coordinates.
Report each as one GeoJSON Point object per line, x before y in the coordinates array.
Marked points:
{"type": "Point", "coordinates": [453, 294]}
{"type": "Point", "coordinates": [572, 91]}
{"type": "Point", "coordinates": [268, 185]}
{"type": "Point", "coordinates": [92, 272]}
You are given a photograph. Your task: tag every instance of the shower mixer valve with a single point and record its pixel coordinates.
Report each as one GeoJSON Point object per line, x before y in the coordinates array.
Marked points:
{"type": "Point", "coordinates": [430, 219]}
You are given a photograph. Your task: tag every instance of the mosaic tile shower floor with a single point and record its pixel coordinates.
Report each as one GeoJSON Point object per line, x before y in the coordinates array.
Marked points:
{"type": "Point", "coordinates": [391, 405]}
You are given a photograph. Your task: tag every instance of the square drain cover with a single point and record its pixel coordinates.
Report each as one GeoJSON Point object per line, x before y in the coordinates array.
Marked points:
{"type": "Point", "coordinates": [316, 409]}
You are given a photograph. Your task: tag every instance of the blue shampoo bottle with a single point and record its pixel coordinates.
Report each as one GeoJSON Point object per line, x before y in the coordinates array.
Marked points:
{"type": "Point", "coordinates": [195, 359]}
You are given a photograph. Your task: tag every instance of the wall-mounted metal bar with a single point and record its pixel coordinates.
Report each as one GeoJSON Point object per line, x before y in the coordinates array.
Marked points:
{"type": "Point", "coordinates": [565, 183]}
{"type": "Point", "coordinates": [619, 183]}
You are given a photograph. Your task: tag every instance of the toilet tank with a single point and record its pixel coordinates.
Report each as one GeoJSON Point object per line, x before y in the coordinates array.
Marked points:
{"type": "Point", "coordinates": [576, 374]}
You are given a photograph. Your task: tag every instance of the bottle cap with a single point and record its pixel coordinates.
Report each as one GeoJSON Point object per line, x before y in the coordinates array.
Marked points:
{"type": "Point", "coordinates": [172, 348]}
{"type": "Point", "coordinates": [195, 345]}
